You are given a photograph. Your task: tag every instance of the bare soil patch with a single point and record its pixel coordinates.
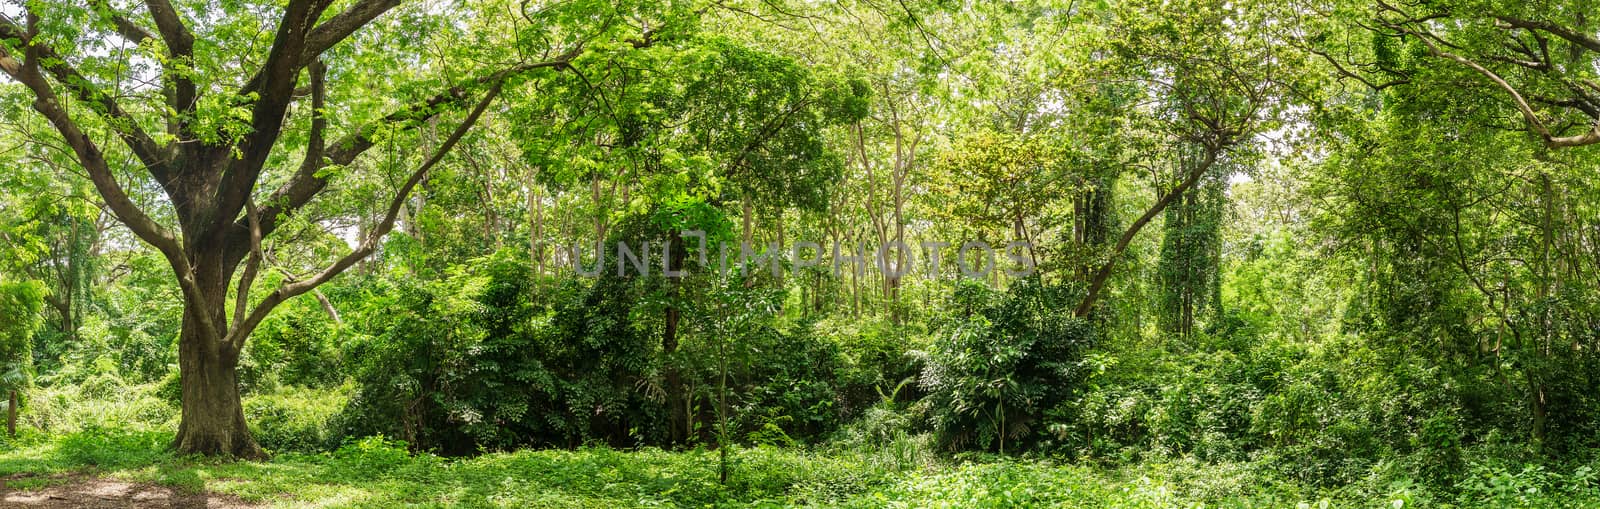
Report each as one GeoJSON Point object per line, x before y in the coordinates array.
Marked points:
{"type": "Point", "coordinates": [79, 491]}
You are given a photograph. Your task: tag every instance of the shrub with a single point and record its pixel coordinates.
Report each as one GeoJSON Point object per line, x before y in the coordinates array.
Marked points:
{"type": "Point", "coordinates": [68, 409]}
{"type": "Point", "coordinates": [467, 363]}
{"type": "Point", "coordinates": [369, 458]}
{"type": "Point", "coordinates": [297, 419]}
{"type": "Point", "coordinates": [296, 346]}
{"type": "Point", "coordinates": [992, 376]}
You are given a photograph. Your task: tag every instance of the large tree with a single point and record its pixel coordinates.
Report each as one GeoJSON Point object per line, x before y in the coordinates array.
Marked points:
{"type": "Point", "coordinates": [226, 109]}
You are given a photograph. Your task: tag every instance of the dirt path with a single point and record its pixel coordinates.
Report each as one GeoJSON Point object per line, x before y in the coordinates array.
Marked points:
{"type": "Point", "coordinates": [97, 493]}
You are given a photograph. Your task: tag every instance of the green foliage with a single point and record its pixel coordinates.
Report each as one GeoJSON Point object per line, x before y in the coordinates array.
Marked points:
{"type": "Point", "coordinates": [379, 472]}
{"type": "Point", "coordinates": [1498, 484]}
{"type": "Point", "coordinates": [108, 355]}
{"type": "Point", "coordinates": [765, 111]}
{"type": "Point", "coordinates": [1164, 404]}
{"type": "Point", "coordinates": [298, 346]}
{"type": "Point", "coordinates": [297, 419]}
{"type": "Point", "coordinates": [113, 448]}
{"type": "Point", "coordinates": [20, 303]}
{"type": "Point", "coordinates": [370, 458]}
{"type": "Point", "coordinates": [1374, 283]}
{"type": "Point", "coordinates": [116, 407]}
{"type": "Point", "coordinates": [431, 359]}
{"type": "Point", "coordinates": [992, 376]}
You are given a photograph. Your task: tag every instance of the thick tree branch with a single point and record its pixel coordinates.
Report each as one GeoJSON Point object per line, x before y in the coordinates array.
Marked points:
{"type": "Point", "coordinates": [308, 181]}
{"type": "Point", "coordinates": [1572, 36]}
{"type": "Point", "coordinates": [1103, 274]}
{"type": "Point", "coordinates": [251, 267]}
{"type": "Point", "coordinates": [1406, 26]}
{"type": "Point", "coordinates": [342, 25]}
{"type": "Point", "coordinates": [237, 335]}
{"type": "Point", "coordinates": [179, 41]}
{"type": "Point", "coordinates": [1590, 137]}
{"type": "Point", "coordinates": [122, 123]}
{"type": "Point", "coordinates": [125, 27]}
{"type": "Point", "coordinates": [94, 163]}
{"type": "Point", "coordinates": [180, 49]}
{"type": "Point", "coordinates": [278, 78]}
{"type": "Point", "coordinates": [316, 145]}
{"type": "Point", "coordinates": [46, 103]}
{"type": "Point", "coordinates": [330, 33]}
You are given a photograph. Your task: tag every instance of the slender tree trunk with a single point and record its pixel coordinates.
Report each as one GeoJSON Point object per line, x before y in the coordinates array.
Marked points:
{"type": "Point", "coordinates": [677, 418]}
{"type": "Point", "coordinates": [491, 220]}
{"type": "Point", "coordinates": [1185, 251]}
{"type": "Point", "coordinates": [11, 415]}
{"type": "Point", "coordinates": [874, 212]}
{"type": "Point", "coordinates": [747, 210]}
{"type": "Point", "coordinates": [536, 242]}
{"type": "Point", "coordinates": [855, 288]}
{"type": "Point", "coordinates": [599, 214]}
{"type": "Point", "coordinates": [834, 297]}
{"type": "Point", "coordinates": [1539, 416]}
{"type": "Point", "coordinates": [779, 230]}
{"type": "Point", "coordinates": [904, 157]}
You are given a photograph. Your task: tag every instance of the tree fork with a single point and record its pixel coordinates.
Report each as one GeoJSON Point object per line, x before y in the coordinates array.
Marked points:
{"type": "Point", "coordinates": [1103, 274]}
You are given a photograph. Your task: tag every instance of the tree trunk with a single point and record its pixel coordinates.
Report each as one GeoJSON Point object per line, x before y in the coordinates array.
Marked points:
{"type": "Point", "coordinates": [779, 230]}
{"type": "Point", "coordinates": [1539, 416]}
{"type": "Point", "coordinates": [746, 211]}
{"type": "Point", "coordinates": [213, 417]}
{"type": "Point", "coordinates": [536, 240]}
{"type": "Point", "coordinates": [599, 213]}
{"type": "Point", "coordinates": [63, 307]}
{"type": "Point", "coordinates": [1098, 280]}
{"type": "Point", "coordinates": [678, 418]}
{"type": "Point", "coordinates": [11, 415]}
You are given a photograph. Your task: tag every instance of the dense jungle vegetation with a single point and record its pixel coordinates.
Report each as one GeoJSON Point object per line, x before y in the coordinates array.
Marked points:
{"type": "Point", "coordinates": [770, 253]}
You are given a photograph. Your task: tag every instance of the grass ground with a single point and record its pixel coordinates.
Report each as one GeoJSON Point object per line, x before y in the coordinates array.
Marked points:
{"type": "Point", "coordinates": [375, 473]}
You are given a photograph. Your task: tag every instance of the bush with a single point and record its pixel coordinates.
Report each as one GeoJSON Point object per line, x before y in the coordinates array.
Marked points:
{"type": "Point", "coordinates": [992, 376]}
{"type": "Point", "coordinates": [470, 363]}
{"type": "Point", "coordinates": [68, 409]}
{"type": "Point", "coordinates": [295, 346]}
{"type": "Point", "coordinates": [878, 357]}
{"type": "Point", "coordinates": [297, 419]}
{"type": "Point", "coordinates": [799, 384]}
{"type": "Point", "coordinates": [370, 458]}
{"type": "Point", "coordinates": [483, 361]}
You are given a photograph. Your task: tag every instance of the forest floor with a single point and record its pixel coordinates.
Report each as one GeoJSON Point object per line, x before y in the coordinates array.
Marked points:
{"type": "Point", "coordinates": [109, 468]}
{"type": "Point", "coordinates": [82, 491]}
{"type": "Point", "coordinates": [106, 468]}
